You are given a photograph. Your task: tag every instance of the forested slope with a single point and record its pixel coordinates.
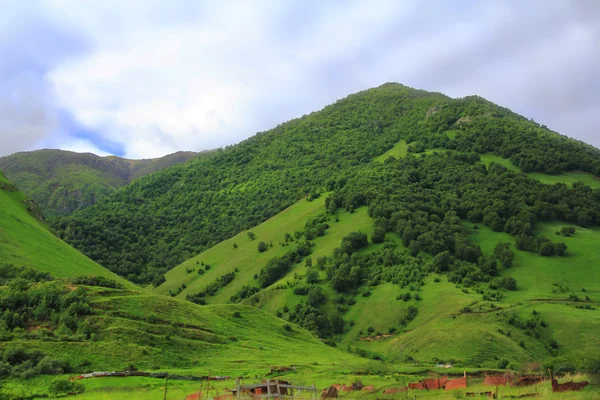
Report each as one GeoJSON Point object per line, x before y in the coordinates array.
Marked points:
{"type": "Point", "coordinates": [160, 220]}
{"type": "Point", "coordinates": [63, 181]}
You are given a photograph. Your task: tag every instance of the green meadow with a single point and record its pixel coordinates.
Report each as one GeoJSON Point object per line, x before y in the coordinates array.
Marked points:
{"type": "Point", "coordinates": [26, 241]}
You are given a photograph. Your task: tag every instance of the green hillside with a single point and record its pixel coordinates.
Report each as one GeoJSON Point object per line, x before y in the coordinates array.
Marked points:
{"type": "Point", "coordinates": [478, 316]}
{"type": "Point", "coordinates": [476, 338]}
{"type": "Point", "coordinates": [75, 325]}
{"type": "Point", "coordinates": [26, 241]}
{"type": "Point", "coordinates": [63, 181]}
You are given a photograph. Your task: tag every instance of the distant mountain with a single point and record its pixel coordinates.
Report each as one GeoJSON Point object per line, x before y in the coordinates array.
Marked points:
{"type": "Point", "coordinates": [63, 181]}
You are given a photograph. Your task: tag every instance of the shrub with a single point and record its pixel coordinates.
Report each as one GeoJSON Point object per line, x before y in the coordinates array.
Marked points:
{"type": "Point", "coordinates": [262, 247]}
{"type": "Point", "coordinates": [64, 387]}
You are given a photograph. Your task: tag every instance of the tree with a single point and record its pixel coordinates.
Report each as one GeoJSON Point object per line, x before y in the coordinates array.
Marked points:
{"type": "Point", "coordinates": [547, 249]}
{"type": "Point", "coordinates": [312, 276]}
{"type": "Point", "coordinates": [63, 387]}
{"type": "Point", "coordinates": [503, 253]}
{"type": "Point", "coordinates": [251, 235]}
{"type": "Point", "coordinates": [262, 247]}
{"type": "Point", "coordinates": [560, 249]}
{"type": "Point", "coordinates": [315, 297]}
{"type": "Point", "coordinates": [442, 261]}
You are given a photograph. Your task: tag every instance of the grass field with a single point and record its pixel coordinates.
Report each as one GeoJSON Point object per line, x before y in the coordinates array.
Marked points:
{"type": "Point", "coordinates": [399, 150]}
{"type": "Point", "coordinates": [26, 241]}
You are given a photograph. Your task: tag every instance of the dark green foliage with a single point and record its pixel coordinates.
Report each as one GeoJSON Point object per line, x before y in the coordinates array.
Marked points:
{"type": "Point", "coordinates": [567, 231]}
{"type": "Point", "coordinates": [353, 242]}
{"type": "Point", "coordinates": [316, 227]}
{"type": "Point", "coordinates": [262, 247]}
{"type": "Point", "coordinates": [314, 319]}
{"type": "Point", "coordinates": [251, 235]}
{"type": "Point", "coordinates": [315, 297]}
{"type": "Point", "coordinates": [301, 290]}
{"type": "Point", "coordinates": [245, 292]}
{"type": "Point", "coordinates": [212, 288]}
{"type": "Point", "coordinates": [312, 276]}
{"type": "Point", "coordinates": [504, 254]}
{"type": "Point", "coordinates": [442, 261]}
{"type": "Point", "coordinates": [65, 387]}
{"type": "Point", "coordinates": [506, 282]}
{"type": "Point", "coordinates": [34, 299]}
{"type": "Point", "coordinates": [277, 267]}
{"type": "Point", "coordinates": [21, 363]}
{"type": "Point", "coordinates": [96, 281]}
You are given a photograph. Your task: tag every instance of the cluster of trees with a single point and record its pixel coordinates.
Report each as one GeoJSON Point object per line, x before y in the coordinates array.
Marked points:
{"type": "Point", "coordinates": [243, 293]}
{"type": "Point", "coordinates": [35, 299]}
{"type": "Point", "coordinates": [21, 363]}
{"type": "Point", "coordinates": [277, 267]}
{"type": "Point", "coordinates": [211, 289]}
{"type": "Point", "coordinates": [541, 245]}
{"type": "Point", "coordinates": [426, 201]}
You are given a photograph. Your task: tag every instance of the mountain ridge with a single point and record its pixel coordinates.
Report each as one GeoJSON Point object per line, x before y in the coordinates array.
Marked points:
{"type": "Point", "coordinates": [63, 181]}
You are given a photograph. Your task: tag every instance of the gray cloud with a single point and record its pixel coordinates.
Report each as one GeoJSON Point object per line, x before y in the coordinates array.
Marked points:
{"type": "Point", "coordinates": [155, 77]}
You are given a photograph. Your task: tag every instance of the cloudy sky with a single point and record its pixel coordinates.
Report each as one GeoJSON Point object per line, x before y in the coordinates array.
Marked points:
{"type": "Point", "coordinates": [143, 78]}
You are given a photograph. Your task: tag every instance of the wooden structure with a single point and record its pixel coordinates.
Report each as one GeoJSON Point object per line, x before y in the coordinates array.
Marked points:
{"type": "Point", "coordinates": [272, 389]}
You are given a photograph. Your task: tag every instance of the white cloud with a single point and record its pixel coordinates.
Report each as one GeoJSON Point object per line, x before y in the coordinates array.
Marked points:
{"type": "Point", "coordinates": [159, 77]}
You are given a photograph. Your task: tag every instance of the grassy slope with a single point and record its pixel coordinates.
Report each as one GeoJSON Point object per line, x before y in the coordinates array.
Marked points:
{"type": "Point", "coordinates": [25, 241]}
{"type": "Point", "coordinates": [537, 275]}
{"type": "Point", "coordinates": [399, 150]}
{"type": "Point", "coordinates": [156, 332]}
{"type": "Point", "coordinates": [223, 258]}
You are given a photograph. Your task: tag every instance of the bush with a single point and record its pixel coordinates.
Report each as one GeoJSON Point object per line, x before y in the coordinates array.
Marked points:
{"type": "Point", "coordinates": [64, 387]}
{"type": "Point", "coordinates": [262, 247]}
{"type": "Point", "coordinates": [312, 276]}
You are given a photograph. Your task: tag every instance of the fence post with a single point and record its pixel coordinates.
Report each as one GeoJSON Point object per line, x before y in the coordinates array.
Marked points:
{"type": "Point", "coordinates": [166, 384]}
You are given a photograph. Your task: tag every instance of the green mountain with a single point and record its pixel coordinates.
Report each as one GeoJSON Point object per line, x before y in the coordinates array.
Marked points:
{"type": "Point", "coordinates": [442, 215]}
{"type": "Point", "coordinates": [63, 181]}
{"type": "Point", "coordinates": [159, 221]}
